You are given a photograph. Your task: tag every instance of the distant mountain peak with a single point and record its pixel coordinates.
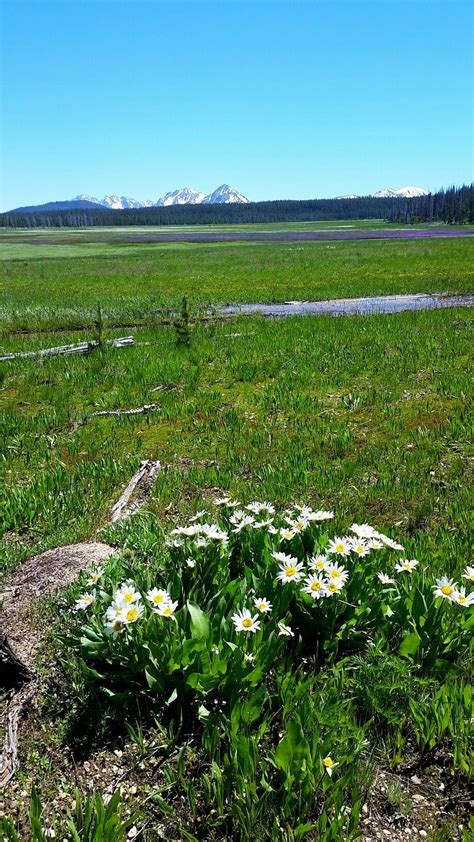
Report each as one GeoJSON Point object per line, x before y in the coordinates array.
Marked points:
{"type": "Point", "coordinates": [225, 195]}
{"type": "Point", "coordinates": [182, 196]}
{"type": "Point", "coordinates": [401, 192]}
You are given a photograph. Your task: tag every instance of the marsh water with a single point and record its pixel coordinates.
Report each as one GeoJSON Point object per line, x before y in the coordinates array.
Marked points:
{"type": "Point", "coordinates": [353, 306]}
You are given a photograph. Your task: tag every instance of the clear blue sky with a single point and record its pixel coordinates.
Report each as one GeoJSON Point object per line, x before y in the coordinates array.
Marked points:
{"type": "Point", "coordinates": [280, 99]}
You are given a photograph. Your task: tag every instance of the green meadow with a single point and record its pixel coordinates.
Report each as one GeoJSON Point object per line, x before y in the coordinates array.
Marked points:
{"type": "Point", "coordinates": [58, 285]}
{"type": "Point", "coordinates": [366, 417]}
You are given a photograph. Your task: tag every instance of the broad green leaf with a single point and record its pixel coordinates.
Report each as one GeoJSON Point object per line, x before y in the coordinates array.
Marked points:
{"type": "Point", "coordinates": [199, 622]}
{"type": "Point", "coordinates": [410, 644]}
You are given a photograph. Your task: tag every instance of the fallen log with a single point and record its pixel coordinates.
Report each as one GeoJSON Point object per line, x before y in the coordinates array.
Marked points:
{"type": "Point", "coordinates": [149, 407]}
{"type": "Point", "coordinates": [63, 350]}
{"type": "Point", "coordinates": [142, 480]}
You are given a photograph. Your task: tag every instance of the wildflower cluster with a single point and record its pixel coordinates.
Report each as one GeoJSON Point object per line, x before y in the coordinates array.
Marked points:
{"type": "Point", "coordinates": [247, 584]}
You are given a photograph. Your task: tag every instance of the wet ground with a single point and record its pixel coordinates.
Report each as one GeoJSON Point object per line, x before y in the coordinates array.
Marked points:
{"type": "Point", "coordinates": [353, 306]}
{"type": "Point", "coordinates": [292, 236]}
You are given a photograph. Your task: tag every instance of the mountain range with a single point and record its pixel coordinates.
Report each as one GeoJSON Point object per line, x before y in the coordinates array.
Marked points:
{"type": "Point", "coordinates": [186, 196]}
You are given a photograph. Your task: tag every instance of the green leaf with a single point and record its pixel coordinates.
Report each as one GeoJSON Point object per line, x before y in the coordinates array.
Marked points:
{"type": "Point", "coordinates": [199, 622]}
{"type": "Point", "coordinates": [410, 645]}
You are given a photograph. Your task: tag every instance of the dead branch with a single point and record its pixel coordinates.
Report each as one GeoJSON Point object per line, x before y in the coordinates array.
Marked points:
{"type": "Point", "coordinates": [142, 480]}
{"type": "Point", "coordinates": [150, 407]}
{"type": "Point", "coordinates": [62, 350]}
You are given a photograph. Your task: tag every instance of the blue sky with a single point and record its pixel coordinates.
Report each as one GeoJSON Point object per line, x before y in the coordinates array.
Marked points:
{"type": "Point", "coordinates": [281, 99]}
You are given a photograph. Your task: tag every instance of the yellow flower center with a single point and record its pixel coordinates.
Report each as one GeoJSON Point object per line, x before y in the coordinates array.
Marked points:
{"type": "Point", "coordinates": [132, 614]}
{"type": "Point", "coordinates": [471, 577]}
{"type": "Point", "coordinates": [117, 625]}
{"type": "Point", "coordinates": [261, 605]}
{"type": "Point", "coordinates": [128, 597]}
{"type": "Point", "coordinates": [446, 590]}
{"type": "Point", "coordinates": [299, 524]}
{"type": "Point", "coordinates": [168, 611]}
{"type": "Point", "coordinates": [319, 565]}
{"type": "Point", "coordinates": [332, 586]}
{"type": "Point", "coordinates": [315, 586]}
{"type": "Point", "coordinates": [247, 623]}
{"type": "Point", "coordinates": [158, 597]}
{"type": "Point", "coordinates": [328, 762]}
{"type": "Point", "coordinates": [290, 571]}
{"type": "Point", "coordinates": [335, 574]}
{"type": "Point", "coordinates": [462, 599]}
{"type": "Point", "coordinates": [339, 548]}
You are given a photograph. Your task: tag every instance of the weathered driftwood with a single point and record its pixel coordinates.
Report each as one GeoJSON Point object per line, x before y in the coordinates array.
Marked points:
{"type": "Point", "coordinates": [142, 480]}
{"type": "Point", "coordinates": [149, 407]}
{"type": "Point", "coordinates": [81, 348]}
{"type": "Point", "coordinates": [9, 757]}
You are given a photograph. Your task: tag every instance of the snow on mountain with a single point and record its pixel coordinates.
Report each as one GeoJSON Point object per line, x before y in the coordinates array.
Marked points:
{"type": "Point", "coordinates": [349, 196]}
{"type": "Point", "coordinates": [225, 195]}
{"type": "Point", "coordinates": [185, 196]}
{"type": "Point", "coordinates": [404, 192]}
{"type": "Point", "coordinates": [85, 198]}
{"type": "Point", "coordinates": [115, 202]}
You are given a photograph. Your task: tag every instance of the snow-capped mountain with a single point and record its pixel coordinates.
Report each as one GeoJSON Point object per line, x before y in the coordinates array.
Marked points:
{"type": "Point", "coordinates": [225, 195]}
{"type": "Point", "coordinates": [115, 202]}
{"type": "Point", "coordinates": [349, 196]}
{"type": "Point", "coordinates": [403, 192]}
{"type": "Point", "coordinates": [185, 196]}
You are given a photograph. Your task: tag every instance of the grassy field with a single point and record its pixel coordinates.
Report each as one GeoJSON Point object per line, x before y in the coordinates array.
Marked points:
{"type": "Point", "coordinates": [368, 417]}
{"type": "Point", "coordinates": [51, 286]}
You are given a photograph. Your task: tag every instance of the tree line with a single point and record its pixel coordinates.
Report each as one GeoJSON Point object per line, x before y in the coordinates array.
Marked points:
{"type": "Point", "coordinates": [453, 206]}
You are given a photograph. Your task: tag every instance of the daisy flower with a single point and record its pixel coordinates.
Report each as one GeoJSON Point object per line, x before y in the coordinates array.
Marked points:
{"type": "Point", "coordinates": [257, 508]}
{"type": "Point", "coordinates": [321, 515]}
{"type": "Point", "coordinates": [406, 565]}
{"type": "Point", "coordinates": [247, 520]}
{"type": "Point", "coordinates": [114, 627]}
{"type": "Point", "coordinates": [287, 534]}
{"type": "Point", "coordinates": [329, 765]}
{"type": "Point", "coordinates": [291, 570]}
{"type": "Point", "coordinates": [249, 658]}
{"type": "Point", "coordinates": [392, 545]}
{"type": "Point", "coordinates": [444, 587]}
{"type": "Point", "coordinates": [339, 546]}
{"type": "Point", "coordinates": [375, 544]}
{"type": "Point", "coordinates": [385, 580]}
{"type": "Point", "coordinates": [84, 601]}
{"type": "Point", "coordinates": [115, 611]}
{"type": "Point", "coordinates": [298, 525]}
{"type": "Point", "coordinates": [191, 562]}
{"type": "Point", "coordinates": [285, 631]}
{"type": "Point", "coordinates": [315, 586]}
{"type": "Point", "coordinates": [336, 572]}
{"type": "Point", "coordinates": [167, 610]}
{"type": "Point", "coordinates": [469, 574]}
{"type": "Point", "coordinates": [198, 515]}
{"type": "Point", "coordinates": [333, 586]}
{"type": "Point", "coordinates": [95, 575]}
{"type": "Point", "coordinates": [131, 613]}
{"type": "Point", "coordinates": [318, 562]}
{"type": "Point", "coordinates": [363, 530]}
{"type": "Point", "coordinates": [187, 531]}
{"type": "Point", "coordinates": [158, 597]}
{"type": "Point", "coordinates": [262, 604]}
{"type": "Point", "coordinates": [360, 547]}
{"type": "Point", "coordinates": [226, 501]}
{"type": "Point", "coordinates": [243, 621]}
{"type": "Point", "coordinates": [462, 598]}
{"type": "Point", "coordinates": [214, 533]}
{"type": "Point", "coordinates": [127, 593]}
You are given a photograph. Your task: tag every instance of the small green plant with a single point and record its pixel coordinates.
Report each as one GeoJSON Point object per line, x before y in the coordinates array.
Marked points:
{"type": "Point", "coordinates": [182, 326]}
{"type": "Point", "coordinates": [99, 328]}
{"type": "Point", "coordinates": [92, 820]}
